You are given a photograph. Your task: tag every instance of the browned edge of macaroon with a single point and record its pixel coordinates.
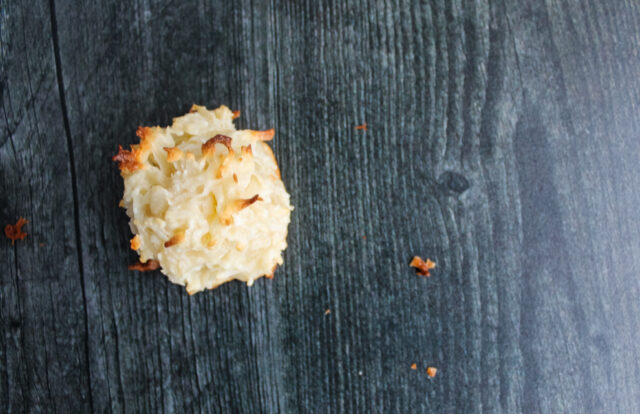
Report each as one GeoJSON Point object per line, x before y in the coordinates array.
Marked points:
{"type": "Point", "coordinates": [208, 148]}
{"type": "Point", "coordinates": [233, 207]}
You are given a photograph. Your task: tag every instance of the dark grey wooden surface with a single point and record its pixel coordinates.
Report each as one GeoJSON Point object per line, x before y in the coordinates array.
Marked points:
{"type": "Point", "coordinates": [503, 142]}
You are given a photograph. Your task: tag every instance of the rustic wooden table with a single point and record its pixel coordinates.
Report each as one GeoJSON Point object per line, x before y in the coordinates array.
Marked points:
{"type": "Point", "coordinates": [503, 142]}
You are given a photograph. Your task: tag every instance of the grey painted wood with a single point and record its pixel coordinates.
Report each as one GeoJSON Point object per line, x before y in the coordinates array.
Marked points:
{"type": "Point", "coordinates": [502, 142]}
{"type": "Point", "coordinates": [43, 353]}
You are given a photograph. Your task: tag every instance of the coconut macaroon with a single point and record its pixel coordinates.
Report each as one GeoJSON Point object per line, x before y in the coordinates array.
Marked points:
{"type": "Point", "coordinates": [206, 201]}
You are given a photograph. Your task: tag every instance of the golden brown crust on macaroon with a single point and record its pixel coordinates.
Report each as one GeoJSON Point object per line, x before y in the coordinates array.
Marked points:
{"type": "Point", "coordinates": [131, 160]}
{"type": "Point", "coordinates": [176, 239]}
{"type": "Point", "coordinates": [173, 154]}
{"type": "Point", "coordinates": [227, 215]}
{"type": "Point", "coordinates": [273, 271]}
{"type": "Point", "coordinates": [209, 147]}
{"type": "Point", "coordinates": [246, 151]}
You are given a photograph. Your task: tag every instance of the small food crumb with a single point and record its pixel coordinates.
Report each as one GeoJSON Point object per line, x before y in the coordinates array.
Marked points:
{"type": "Point", "coordinates": [145, 267]}
{"type": "Point", "coordinates": [414, 366]}
{"type": "Point", "coordinates": [328, 311]}
{"type": "Point", "coordinates": [362, 127]}
{"type": "Point", "coordinates": [422, 266]}
{"type": "Point", "coordinates": [360, 373]}
{"type": "Point", "coordinates": [41, 244]}
{"type": "Point", "coordinates": [431, 371]}
{"type": "Point", "coordinates": [364, 237]}
{"type": "Point", "coordinates": [235, 114]}
{"type": "Point", "coordinates": [14, 231]}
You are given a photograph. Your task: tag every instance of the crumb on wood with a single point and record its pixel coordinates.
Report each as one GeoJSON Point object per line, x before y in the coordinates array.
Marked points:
{"type": "Point", "coordinates": [328, 311]}
{"type": "Point", "coordinates": [432, 371]}
{"type": "Point", "coordinates": [414, 366]}
{"type": "Point", "coordinates": [362, 127]}
{"type": "Point", "coordinates": [14, 231]}
{"type": "Point", "coordinates": [148, 266]}
{"type": "Point", "coordinates": [423, 267]}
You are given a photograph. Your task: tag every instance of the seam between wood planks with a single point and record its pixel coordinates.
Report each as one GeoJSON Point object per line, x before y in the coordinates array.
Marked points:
{"type": "Point", "coordinates": [74, 184]}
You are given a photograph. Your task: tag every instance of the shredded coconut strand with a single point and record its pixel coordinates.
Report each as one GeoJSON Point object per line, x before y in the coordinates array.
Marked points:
{"type": "Point", "coordinates": [190, 213]}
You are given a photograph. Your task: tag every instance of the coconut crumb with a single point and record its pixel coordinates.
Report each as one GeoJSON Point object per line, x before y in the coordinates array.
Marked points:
{"type": "Point", "coordinates": [362, 127]}
{"type": "Point", "coordinates": [422, 266]}
{"type": "Point", "coordinates": [14, 231]}
{"type": "Point", "coordinates": [432, 371]}
{"type": "Point", "coordinates": [414, 366]}
{"type": "Point", "coordinates": [235, 114]}
{"type": "Point", "coordinates": [148, 266]}
{"type": "Point", "coordinates": [328, 311]}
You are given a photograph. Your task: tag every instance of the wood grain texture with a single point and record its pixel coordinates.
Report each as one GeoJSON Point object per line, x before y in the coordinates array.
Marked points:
{"type": "Point", "coordinates": [502, 143]}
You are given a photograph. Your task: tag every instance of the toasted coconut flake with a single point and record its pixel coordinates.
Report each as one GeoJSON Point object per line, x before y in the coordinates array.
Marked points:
{"type": "Point", "coordinates": [328, 311]}
{"type": "Point", "coordinates": [145, 267]}
{"type": "Point", "coordinates": [235, 114]}
{"type": "Point", "coordinates": [235, 178]}
{"type": "Point", "coordinates": [176, 239]}
{"type": "Point", "coordinates": [227, 215]}
{"type": "Point", "coordinates": [422, 266]}
{"type": "Point", "coordinates": [14, 231]}
{"type": "Point", "coordinates": [246, 151]}
{"type": "Point", "coordinates": [131, 160]}
{"type": "Point", "coordinates": [173, 154]}
{"type": "Point", "coordinates": [414, 366]}
{"type": "Point", "coordinates": [127, 160]}
{"type": "Point", "coordinates": [190, 155]}
{"type": "Point", "coordinates": [209, 147]}
{"type": "Point", "coordinates": [263, 135]}
{"type": "Point", "coordinates": [362, 127]}
{"type": "Point", "coordinates": [432, 371]}
{"type": "Point", "coordinates": [135, 242]}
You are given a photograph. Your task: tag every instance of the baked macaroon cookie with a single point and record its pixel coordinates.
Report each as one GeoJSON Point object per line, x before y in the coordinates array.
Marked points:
{"type": "Point", "coordinates": [205, 200]}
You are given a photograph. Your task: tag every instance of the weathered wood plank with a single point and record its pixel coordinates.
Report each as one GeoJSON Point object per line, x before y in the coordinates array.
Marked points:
{"type": "Point", "coordinates": [502, 143]}
{"type": "Point", "coordinates": [43, 354]}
